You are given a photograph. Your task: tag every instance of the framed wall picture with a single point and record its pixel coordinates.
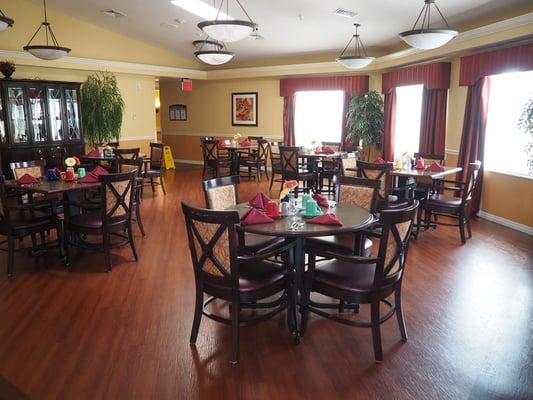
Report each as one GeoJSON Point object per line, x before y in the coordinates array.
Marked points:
{"type": "Point", "coordinates": [177, 112]}
{"type": "Point", "coordinates": [244, 109]}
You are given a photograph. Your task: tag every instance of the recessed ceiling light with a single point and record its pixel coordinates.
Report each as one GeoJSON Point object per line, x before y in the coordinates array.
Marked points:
{"type": "Point", "coordinates": [201, 9]}
{"type": "Point", "coordinates": [113, 13]}
{"type": "Point", "coordinates": [342, 12]}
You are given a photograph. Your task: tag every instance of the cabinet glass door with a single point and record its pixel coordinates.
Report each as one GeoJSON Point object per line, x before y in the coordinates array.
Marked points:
{"type": "Point", "coordinates": [73, 114]}
{"type": "Point", "coordinates": [17, 114]}
{"type": "Point", "coordinates": [55, 114]}
{"type": "Point", "coordinates": [36, 96]}
{"type": "Point", "coordinates": [2, 121]}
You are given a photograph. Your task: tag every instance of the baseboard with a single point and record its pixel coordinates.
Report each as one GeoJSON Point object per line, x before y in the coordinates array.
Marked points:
{"type": "Point", "coordinates": [507, 222]}
{"type": "Point", "coordinates": [196, 162]}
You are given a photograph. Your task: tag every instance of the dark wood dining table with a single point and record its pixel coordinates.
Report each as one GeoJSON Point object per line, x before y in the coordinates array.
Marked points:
{"type": "Point", "coordinates": [233, 153]}
{"type": "Point", "coordinates": [353, 219]}
{"type": "Point", "coordinates": [416, 173]}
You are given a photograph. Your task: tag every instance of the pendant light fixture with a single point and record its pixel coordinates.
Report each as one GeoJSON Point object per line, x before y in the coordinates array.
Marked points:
{"type": "Point", "coordinates": [5, 22]}
{"type": "Point", "coordinates": [212, 52]}
{"type": "Point", "coordinates": [48, 51]}
{"type": "Point", "coordinates": [359, 58]}
{"type": "Point", "coordinates": [228, 30]}
{"type": "Point", "coordinates": [426, 38]}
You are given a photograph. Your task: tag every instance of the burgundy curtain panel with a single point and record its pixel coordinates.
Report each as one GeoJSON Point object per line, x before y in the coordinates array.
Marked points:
{"type": "Point", "coordinates": [288, 120]}
{"type": "Point", "coordinates": [433, 124]}
{"type": "Point", "coordinates": [389, 124]}
{"type": "Point", "coordinates": [473, 137]}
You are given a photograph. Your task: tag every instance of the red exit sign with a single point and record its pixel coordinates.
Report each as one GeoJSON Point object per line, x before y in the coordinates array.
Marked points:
{"type": "Point", "coordinates": [186, 85]}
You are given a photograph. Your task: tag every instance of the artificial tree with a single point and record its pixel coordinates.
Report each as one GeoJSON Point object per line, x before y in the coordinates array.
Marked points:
{"type": "Point", "coordinates": [103, 108]}
{"type": "Point", "coordinates": [526, 124]}
{"type": "Point", "coordinates": [365, 120]}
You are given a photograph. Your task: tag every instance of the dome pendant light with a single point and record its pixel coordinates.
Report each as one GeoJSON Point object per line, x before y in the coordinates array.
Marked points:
{"type": "Point", "coordinates": [212, 52]}
{"type": "Point", "coordinates": [359, 59]}
{"type": "Point", "coordinates": [228, 30]}
{"type": "Point", "coordinates": [426, 38]}
{"type": "Point", "coordinates": [46, 51]}
{"type": "Point", "coordinates": [5, 22]}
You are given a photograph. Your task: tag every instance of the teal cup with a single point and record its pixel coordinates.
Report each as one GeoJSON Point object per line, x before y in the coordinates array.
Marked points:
{"type": "Point", "coordinates": [305, 200]}
{"type": "Point", "coordinates": [81, 172]}
{"type": "Point", "coordinates": [311, 208]}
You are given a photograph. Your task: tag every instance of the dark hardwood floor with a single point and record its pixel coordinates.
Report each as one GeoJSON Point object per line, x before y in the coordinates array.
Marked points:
{"type": "Point", "coordinates": [86, 334]}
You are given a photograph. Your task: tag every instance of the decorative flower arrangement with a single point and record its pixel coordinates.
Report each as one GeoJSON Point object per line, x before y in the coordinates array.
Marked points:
{"type": "Point", "coordinates": [7, 68]}
{"type": "Point", "coordinates": [288, 188]}
{"type": "Point", "coordinates": [237, 136]}
{"type": "Point", "coordinates": [72, 161]}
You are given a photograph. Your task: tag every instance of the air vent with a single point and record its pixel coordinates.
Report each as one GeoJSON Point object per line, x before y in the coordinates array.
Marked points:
{"type": "Point", "coordinates": [113, 13]}
{"type": "Point", "coordinates": [169, 25]}
{"type": "Point", "coordinates": [342, 12]}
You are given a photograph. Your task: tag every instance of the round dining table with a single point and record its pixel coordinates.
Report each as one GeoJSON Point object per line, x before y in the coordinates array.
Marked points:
{"type": "Point", "coordinates": [296, 229]}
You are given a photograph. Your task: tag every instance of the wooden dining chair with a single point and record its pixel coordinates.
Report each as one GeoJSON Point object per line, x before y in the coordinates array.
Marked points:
{"type": "Point", "coordinates": [111, 221]}
{"type": "Point", "coordinates": [20, 220]}
{"type": "Point", "coordinates": [275, 163]}
{"type": "Point", "coordinates": [456, 206]}
{"type": "Point", "coordinates": [135, 165]}
{"type": "Point", "coordinates": [290, 169]}
{"type": "Point", "coordinates": [365, 280]}
{"type": "Point", "coordinates": [329, 168]}
{"type": "Point", "coordinates": [34, 168]}
{"type": "Point", "coordinates": [221, 273]}
{"type": "Point", "coordinates": [257, 161]}
{"type": "Point", "coordinates": [154, 170]}
{"type": "Point", "coordinates": [127, 154]}
{"type": "Point", "coordinates": [349, 165]}
{"type": "Point", "coordinates": [213, 161]}
{"type": "Point", "coordinates": [221, 194]}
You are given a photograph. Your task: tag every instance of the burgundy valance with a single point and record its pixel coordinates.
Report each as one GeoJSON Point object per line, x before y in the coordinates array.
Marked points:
{"type": "Point", "coordinates": [350, 84]}
{"type": "Point", "coordinates": [432, 76]}
{"type": "Point", "coordinates": [476, 66]}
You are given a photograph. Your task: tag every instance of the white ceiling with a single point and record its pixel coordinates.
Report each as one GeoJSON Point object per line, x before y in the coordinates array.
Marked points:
{"type": "Point", "coordinates": [286, 34]}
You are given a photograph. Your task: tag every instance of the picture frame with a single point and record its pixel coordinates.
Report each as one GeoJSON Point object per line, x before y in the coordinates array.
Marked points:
{"type": "Point", "coordinates": [177, 112]}
{"type": "Point", "coordinates": [244, 109]}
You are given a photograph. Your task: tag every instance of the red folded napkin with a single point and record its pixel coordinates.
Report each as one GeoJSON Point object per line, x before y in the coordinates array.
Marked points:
{"type": "Point", "coordinates": [254, 216]}
{"type": "Point", "coordinates": [322, 201]}
{"type": "Point", "coordinates": [380, 160]}
{"type": "Point", "coordinates": [222, 143]}
{"type": "Point", "coordinates": [327, 150]}
{"type": "Point", "coordinates": [98, 170]}
{"type": "Point", "coordinates": [246, 142]}
{"type": "Point", "coordinates": [27, 179]}
{"type": "Point", "coordinates": [260, 200]}
{"type": "Point", "coordinates": [89, 178]}
{"type": "Point", "coordinates": [435, 167]}
{"type": "Point", "coordinates": [325, 219]}
{"type": "Point", "coordinates": [318, 150]}
{"type": "Point", "coordinates": [93, 153]}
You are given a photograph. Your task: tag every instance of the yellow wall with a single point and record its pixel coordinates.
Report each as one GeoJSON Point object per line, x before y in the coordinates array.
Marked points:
{"type": "Point", "coordinates": [137, 91]}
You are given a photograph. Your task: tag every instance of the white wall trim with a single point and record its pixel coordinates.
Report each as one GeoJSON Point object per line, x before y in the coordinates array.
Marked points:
{"type": "Point", "coordinates": [134, 138]}
{"type": "Point", "coordinates": [507, 222]}
{"type": "Point", "coordinates": [221, 134]}
{"type": "Point", "coordinates": [452, 152]}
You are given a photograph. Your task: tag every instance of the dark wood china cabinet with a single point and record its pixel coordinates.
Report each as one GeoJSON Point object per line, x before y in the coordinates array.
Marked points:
{"type": "Point", "coordinates": [39, 120]}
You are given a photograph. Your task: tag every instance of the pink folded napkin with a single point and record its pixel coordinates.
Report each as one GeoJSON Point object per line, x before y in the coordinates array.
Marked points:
{"type": "Point", "coordinates": [98, 170]}
{"type": "Point", "coordinates": [420, 163]}
{"type": "Point", "coordinates": [89, 178]}
{"type": "Point", "coordinates": [93, 153]}
{"type": "Point", "coordinates": [322, 201]}
{"type": "Point", "coordinates": [380, 160]}
{"type": "Point", "coordinates": [27, 179]}
{"type": "Point", "coordinates": [325, 219]}
{"type": "Point", "coordinates": [327, 150]}
{"type": "Point", "coordinates": [254, 216]}
{"type": "Point", "coordinates": [222, 143]}
{"type": "Point", "coordinates": [318, 150]}
{"type": "Point", "coordinates": [260, 200]}
{"type": "Point", "coordinates": [246, 142]}
{"type": "Point", "coordinates": [435, 167]}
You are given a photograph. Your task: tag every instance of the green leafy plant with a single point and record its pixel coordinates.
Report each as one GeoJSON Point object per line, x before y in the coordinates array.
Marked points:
{"type": "Point", "coordinates": [526, 124]}
{"type": "Point", "coordinates": [102, 107]}
{"type": "Point", "coordinates": [365, 120]}
{"type": "Point", "coordinates": [7, 68]}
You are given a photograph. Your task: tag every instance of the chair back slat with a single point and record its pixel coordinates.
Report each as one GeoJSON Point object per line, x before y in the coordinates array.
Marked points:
{"type": "Point", "coordinates": [156, 155]}
{"type": "Point", "coordinates": [379, 172]}
{"type": "Point", "coordinates": [358, 192]}
{"type": "Point", "coordinates": [471, 181]}
{"type": "Point", "coordinates": [289, 160]}
{"type": "Point", "coordinates": [127, 154]}
{"type": "Point", "coordinates": [221, 193]}
{"type": "Point", "coordinates": [117, 195]}
{"type": "Point", "coordinates": [263, 149]}
{"type": "Point", "coordinates": [212, 242]}
{"type": "Point", "coordinates": [210, 150]}
{"type": "Point", "coordinates": [350, 161]}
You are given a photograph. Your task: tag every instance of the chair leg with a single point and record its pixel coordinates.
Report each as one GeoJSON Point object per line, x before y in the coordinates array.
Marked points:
{"type": "Point", "coordinates": [197, 314]}
{"type": "Point", "coordinates": [132, 241]}
{"type": "Point", "coordinates": [462, 228]}
{"type": "Point", "coordinates": [235, 332]}
{"type": "Point", "coordinates": [162, 182]}
{"type": "Point", "coordinates": [107, 252]}
{"type": "Point", "coordinates": [271, 183]}
{"type": "Point", "coordinates": [399, 313]}
{"type": "Point", "coordinates": [376, 331]}
{"type": "Point", "coordinates": [152, 184]}
{"type": "Point", "coordinates": [139, 219]}
{"type": "Point", "coordinates": [10, 255]}
{"type": "Point", "coordinates": [469, 228]}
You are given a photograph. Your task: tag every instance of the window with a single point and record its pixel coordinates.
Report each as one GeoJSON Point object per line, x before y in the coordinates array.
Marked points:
{"type": "Point", "coordinates": [505, 141]}
{"type": "Point", "coordinates": [318, 117]}
{"type": "Point", "coordinates": [408, 117]}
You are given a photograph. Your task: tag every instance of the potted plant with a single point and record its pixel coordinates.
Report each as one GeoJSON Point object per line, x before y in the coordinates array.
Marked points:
{"type": "Point", "coordinates": [7, 68]}
{"type": "Point", "coordinates": [365, 120]}
{"type": "Point", "coordinates": [103, 108]}
{"type": "Point", "coordinates": [526, 124]}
